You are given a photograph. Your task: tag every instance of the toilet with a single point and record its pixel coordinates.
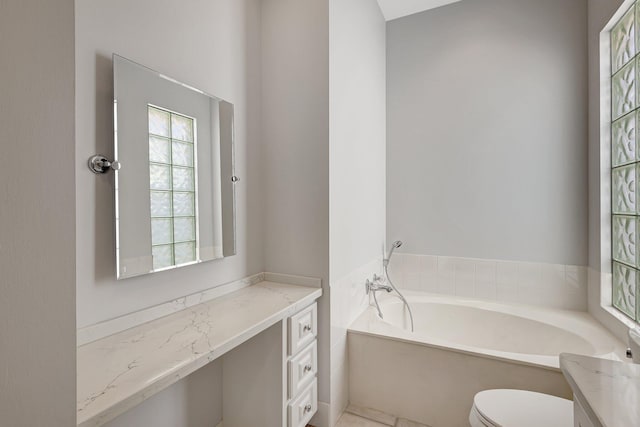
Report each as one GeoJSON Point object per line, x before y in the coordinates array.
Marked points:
{"type": "Point", "coordinates": [520, 408]}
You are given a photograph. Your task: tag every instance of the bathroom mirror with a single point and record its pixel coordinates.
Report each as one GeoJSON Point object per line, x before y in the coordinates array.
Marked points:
{"type": "Point", "coordinates": [175, 195]}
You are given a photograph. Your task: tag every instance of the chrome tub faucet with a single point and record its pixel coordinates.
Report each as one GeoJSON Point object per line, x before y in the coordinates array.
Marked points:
{"type": "Point", "coordinates": [377, 285]}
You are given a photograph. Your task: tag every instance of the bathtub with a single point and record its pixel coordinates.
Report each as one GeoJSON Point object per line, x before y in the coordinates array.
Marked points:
{"type": "Point", "coordinates": [460, 347]}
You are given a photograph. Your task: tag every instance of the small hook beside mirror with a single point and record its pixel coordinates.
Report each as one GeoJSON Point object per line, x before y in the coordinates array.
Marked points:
{"type": "Point", "coordinates": [99, 164]}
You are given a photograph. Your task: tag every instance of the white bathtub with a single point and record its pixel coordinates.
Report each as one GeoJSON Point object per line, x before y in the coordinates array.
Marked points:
{"type": "Point", "coordinates": [460, 347]}
{"type": "Point", "coordinates": [517, 333]}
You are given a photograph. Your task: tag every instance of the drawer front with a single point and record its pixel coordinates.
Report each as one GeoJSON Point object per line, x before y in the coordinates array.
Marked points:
{"type": "Point", "coordinates": [303, 369]}
{"type": "Point", "coordinates": [303, 407]}
{"type": "Point", "coordinates": [303, 328]}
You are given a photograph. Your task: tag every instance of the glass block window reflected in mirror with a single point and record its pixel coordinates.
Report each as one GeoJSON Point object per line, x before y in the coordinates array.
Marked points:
{"type": "Point", "coordinates": [625, 162]}
{"type": "Point", "coordinates": [172, 188]}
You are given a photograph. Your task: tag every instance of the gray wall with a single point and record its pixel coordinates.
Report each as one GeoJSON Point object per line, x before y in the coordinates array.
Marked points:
{"type": "Point", "coordinates": [37, 215]}
{"type": "Point", "coordinates": [295, 125]}
{"type": "Point", "coordinates": [487, 130]}
{"type": "Point", "coordinates": [295, 133]}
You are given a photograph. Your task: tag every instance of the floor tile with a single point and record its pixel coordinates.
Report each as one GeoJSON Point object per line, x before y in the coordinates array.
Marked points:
{"type": "Point", "coordinates": [372, 414]}
{"type": "Point", "coordinates": [402, 422]}
{"type": "Point", "coordinates": [350, 420]}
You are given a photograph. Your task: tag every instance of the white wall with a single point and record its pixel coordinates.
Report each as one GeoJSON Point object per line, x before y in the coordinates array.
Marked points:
{"type": "Point", "coordinates": [357, 143]}
{"type": "Point", "coordinates": [357, 134]}
{"type": "Point", "coordinates": [487, 131]}
{"type": "Point", "coordinates": [213, 45]}
{"type": "Point", "coordinates": [37, 214]}
{"type": "Point", "coordinates": [295, 133]}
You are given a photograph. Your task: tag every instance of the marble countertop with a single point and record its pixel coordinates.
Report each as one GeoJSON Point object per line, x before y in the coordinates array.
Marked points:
{"type": "Point", "coordinates": [118, 372]}
{"type": "Point", "coordinates": [608, 390]}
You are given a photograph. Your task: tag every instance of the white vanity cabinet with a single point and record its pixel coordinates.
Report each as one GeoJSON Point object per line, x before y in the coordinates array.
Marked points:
{"type": "Point", "coordinates": [303, 366]}
{"type": "Point", "coordinates": [265, 336]}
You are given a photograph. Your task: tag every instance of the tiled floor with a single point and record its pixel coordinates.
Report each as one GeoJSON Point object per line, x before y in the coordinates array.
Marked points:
{"type": "Point", "coordinates": [350, 420]}
{"type": "Point", "coordinates": [356, 416]}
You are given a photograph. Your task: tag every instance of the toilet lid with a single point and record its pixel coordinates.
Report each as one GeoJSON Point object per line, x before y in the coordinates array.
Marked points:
{"type": "Point", "coordinates": [520, 408]}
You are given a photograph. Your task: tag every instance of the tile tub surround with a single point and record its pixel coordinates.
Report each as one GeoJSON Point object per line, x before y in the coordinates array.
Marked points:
{"type": "Point", "coordinates": [546, 285]}
{"type": "Point", "coordinates": [609, 391]}
{"type": "Point", "coordinates": [118, 372]}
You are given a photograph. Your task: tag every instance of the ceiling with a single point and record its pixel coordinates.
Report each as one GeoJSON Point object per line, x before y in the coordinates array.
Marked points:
{"type": "Point", "coordinates": [392, 9]}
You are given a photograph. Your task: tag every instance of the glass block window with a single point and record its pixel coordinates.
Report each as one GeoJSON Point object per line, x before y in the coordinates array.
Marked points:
{"type": "Point", "coordinates": [172, 184]}
{"type": "Point", "coordinates": [625, 162]}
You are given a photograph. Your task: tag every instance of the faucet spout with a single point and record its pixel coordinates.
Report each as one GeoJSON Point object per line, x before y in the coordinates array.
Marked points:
{"type": "Point", "coordinates": [377, 285]}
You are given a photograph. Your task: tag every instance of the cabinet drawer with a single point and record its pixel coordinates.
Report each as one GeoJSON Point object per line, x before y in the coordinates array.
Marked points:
{"type": "Point", "coordinates": [302, 408]}
{"type": "Point", "coordinates": [303, 328]}
{"type": "Point", "coordinates": [303, 369]}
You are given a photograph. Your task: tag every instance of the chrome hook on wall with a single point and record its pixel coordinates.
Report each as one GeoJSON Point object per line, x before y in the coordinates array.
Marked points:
{"type": "Point", "coordinates": [99, 164]}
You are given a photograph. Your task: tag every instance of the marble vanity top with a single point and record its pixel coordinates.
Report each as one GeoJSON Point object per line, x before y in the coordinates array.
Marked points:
{"type": "Point", "coordinates": [608, 390]}
{"type": "Point", "coordinates": [118, 372]}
